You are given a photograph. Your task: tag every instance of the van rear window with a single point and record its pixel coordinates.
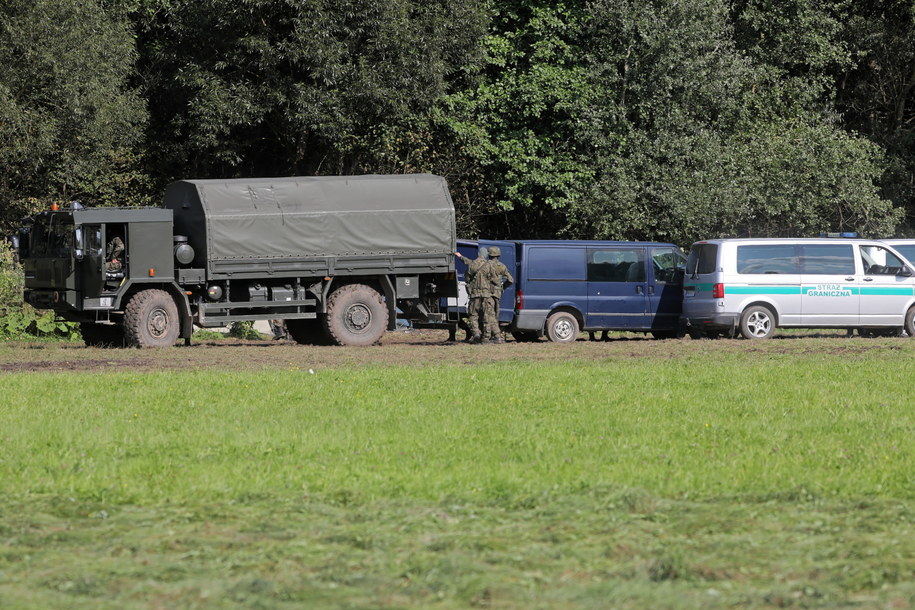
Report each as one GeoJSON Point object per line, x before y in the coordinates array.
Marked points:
{"type": "Point", "coordinates": [776, 259]}
{"type": "Point", "coordinates": [702, 259]}
{"type": "Point", "coordinates": [545, 263]}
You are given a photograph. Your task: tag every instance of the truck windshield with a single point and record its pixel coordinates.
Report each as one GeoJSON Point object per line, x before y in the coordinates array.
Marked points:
{"type": "Point", "coordinates": [52, 236]}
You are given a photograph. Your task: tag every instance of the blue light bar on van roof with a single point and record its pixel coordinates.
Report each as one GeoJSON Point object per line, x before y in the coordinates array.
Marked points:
{"type": "Point", "coordinates": [845, 234]}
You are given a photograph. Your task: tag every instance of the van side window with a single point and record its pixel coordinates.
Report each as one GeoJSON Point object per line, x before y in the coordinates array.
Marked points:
{"type": "Point", "coordinates": [545, 263]}
{"type": "Point", "coordinates": [827, 259]}
{"type": "Point", "coordinates": [775, 259]}
{"type": "Point", "coordinates": [616, 265]}
{"type": "Point", "coordinates": [666, 262]}
{"type": "Point", "coordinates": [880, 261]}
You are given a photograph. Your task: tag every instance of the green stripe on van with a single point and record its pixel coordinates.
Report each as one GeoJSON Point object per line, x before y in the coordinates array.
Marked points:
{"type": "Point", "coordinates": [886, 291]}
{"type": "Point", "coordinates": [762, 289]}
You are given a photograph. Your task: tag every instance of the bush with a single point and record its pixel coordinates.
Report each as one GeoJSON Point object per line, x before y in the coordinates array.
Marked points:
{"type": "Point", "coordinates": [244, 330]}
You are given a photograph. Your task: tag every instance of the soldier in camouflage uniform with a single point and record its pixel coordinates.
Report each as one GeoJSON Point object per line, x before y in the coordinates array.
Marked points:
{"type": "Point", "coordinates": [113, 252]}
{"type": "Point", "coordinates": [474, 281]}
{"type": "Point", "coordinates": [497, 278]}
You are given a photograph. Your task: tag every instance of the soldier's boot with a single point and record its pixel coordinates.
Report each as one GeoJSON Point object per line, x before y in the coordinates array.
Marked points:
{"type": "Point", "coordinates": [476, 338]}
{"type": "Point", "coordinates": [497, 339]}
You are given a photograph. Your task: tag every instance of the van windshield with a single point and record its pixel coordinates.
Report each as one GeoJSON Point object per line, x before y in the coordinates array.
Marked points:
{"type": "Point", "coordinates": [702, 259]}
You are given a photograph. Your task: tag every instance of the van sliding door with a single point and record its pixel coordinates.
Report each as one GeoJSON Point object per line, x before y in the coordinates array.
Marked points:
{"type": "Point", "coordinates": [830, 286]}
{"type": "Point", "coordinates": [617, 288]}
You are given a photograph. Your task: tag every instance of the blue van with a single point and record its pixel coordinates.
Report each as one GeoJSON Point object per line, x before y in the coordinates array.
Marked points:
{"type": "Point", "coordinates": [564, 287]}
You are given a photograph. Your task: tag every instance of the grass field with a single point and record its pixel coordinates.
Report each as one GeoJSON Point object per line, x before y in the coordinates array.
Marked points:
{"type": "Point", "coordinates": [630, 474]}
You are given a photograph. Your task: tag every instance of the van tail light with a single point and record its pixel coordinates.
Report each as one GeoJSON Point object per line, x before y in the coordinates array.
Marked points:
{"type": "Point", "coordinates": [718, 291]}
{"type": "Point", "coordinates": [519, 299]}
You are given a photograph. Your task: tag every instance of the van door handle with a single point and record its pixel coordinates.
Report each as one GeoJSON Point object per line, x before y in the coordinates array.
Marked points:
{"type": "Point", "coordinates": [868, 279]}
{"type": "Point", "coordinates": [651, 290]}
{"type": "Point", "coordinates": [850, 279]}
{"type": "Point", "coordinates": [639, 290]}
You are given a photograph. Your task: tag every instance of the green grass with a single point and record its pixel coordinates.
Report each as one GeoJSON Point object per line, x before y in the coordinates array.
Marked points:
{"type": "Point", "coordinates": [713, 479]}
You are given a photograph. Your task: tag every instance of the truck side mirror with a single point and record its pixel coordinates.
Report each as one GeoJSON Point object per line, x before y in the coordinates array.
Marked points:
{"type": "Point", "coordinates": [905, 271]}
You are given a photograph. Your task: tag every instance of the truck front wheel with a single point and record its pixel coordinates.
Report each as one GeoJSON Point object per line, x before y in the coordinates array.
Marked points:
{"type": "Point", "coordinates": [356, 315]}
{"type": "Point", "coordinates": [151, 319]}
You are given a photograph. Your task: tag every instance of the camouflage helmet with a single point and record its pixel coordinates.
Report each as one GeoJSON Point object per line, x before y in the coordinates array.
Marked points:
{"type": "Point", "coordinates": [494, 251]}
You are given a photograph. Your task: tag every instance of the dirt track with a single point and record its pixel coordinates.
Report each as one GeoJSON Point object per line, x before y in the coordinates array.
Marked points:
{"type": "Point", "coordinates": [418, 348]}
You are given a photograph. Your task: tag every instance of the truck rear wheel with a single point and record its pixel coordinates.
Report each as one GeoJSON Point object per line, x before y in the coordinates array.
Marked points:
{"type": "Point", "coordinates": [562, 327]}
{"type": "Point", "coordinates": [356, 315]}
{"type": "Point", "coordinates": [307, 332]}
{"type": "Point", "coordinates": [151, 319]}
{"type": "Point", "coordinates": [102, 335]}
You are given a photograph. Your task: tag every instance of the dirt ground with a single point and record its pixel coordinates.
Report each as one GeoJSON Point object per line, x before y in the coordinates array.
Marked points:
{"type": "Point", "coordinates": [413, 348]}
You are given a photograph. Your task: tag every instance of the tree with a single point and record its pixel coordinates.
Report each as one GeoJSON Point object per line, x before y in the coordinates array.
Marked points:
{"type": "Point", "coordinates": [69, 126]}
{"type": "Point", "coordinates": [271, 87]}
{"type": "Point", "coordinates": [876, 90]}
{"type": "Point", "coordinates": [698, 137]}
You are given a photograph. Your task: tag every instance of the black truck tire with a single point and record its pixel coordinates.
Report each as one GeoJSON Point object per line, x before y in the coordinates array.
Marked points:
{"type": "Point", "coordinates": [101, 335]}
{"type": "Point", "coordinates": [307, 331]}
{"type": "Point", "coordinates": [151, 319]}
{"type": "Point", "coordinates": [356, 315]}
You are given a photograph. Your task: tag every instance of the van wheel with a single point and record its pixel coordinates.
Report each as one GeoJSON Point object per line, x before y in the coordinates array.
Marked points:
{"type": "Point", "coordinates": [757, 322]}
{"type": "Point", "coordinates": [356, 315]}
{"type": "Point", "coordinates": [151, 319]}
{"type": "Point", "coordinates": [910, 322]}
{"type": "Point", "coordinates": [562, 327]}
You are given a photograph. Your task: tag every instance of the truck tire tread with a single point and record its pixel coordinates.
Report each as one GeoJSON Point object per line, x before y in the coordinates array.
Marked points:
{"type": "Point", "coordinates": [151, 319]}
{"type": "Point", "coordinates": [356, 315]}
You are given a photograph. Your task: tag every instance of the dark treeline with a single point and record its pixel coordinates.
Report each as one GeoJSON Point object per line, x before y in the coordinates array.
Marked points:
{"type": "Point", "coordinates": [671, 120]}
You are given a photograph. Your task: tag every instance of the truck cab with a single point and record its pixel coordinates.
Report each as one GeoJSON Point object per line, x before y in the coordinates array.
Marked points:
{"type": "Point", "coordinates": [68, 266]}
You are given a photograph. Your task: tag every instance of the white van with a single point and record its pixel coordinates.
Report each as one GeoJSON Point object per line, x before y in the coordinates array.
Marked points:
{"type": "Point", "coordinates": [757, 285]}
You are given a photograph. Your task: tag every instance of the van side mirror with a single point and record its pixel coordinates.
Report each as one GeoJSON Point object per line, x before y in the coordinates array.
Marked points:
{"type": "Point", "coordinates": [905, 272]}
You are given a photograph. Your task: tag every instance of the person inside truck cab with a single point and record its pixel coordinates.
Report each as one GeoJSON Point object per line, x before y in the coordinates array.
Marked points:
{"type": "Point", "coordinates": [114, 254]}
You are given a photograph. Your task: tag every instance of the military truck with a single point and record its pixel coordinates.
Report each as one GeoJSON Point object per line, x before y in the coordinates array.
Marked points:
{"type": "Point", "coordinates": [338, 258]}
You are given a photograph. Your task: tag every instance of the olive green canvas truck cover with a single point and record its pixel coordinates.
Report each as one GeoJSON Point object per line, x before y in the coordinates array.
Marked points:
{"type": "Point", "coordinates": [283, 222]}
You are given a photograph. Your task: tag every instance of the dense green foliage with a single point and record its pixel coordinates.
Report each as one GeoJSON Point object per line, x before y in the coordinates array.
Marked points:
{"type": "Point", "coordinates": [583, 118]}
{"type": "Point", "coordinates": [70, 125]}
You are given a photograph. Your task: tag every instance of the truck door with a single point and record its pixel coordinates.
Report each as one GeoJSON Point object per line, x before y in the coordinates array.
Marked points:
{"type": "Point", "coordinates": [665, 287]}
{"type": "Point", "coordinates": [92, 266]}
{"type": "Point", "coordinates": [617, 288]}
